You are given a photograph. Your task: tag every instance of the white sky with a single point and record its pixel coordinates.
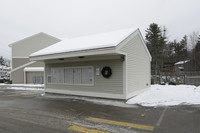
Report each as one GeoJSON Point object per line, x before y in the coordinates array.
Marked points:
{"type": "Point", "coordinates": [70, 18]}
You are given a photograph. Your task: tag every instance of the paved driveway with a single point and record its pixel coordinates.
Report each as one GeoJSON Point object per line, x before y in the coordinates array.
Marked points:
{"type": "Point", "coordinates": [30, 112]}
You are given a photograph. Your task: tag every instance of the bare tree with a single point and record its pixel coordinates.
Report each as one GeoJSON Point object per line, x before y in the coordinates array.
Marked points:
{"type": "Point", "coordinates": [193, 39]}
{"type": "Point", "coordinates": [7, 62]}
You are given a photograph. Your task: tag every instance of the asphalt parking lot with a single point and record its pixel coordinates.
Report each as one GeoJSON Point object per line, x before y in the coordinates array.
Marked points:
{"type": "Point", "coordinates": [33, 112]}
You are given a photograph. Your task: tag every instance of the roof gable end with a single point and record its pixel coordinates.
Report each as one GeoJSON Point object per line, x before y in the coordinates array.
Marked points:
{"type": "Point", "coordinates": [128, 38]}
{"type": "Point", "coordinates": [30, 37]}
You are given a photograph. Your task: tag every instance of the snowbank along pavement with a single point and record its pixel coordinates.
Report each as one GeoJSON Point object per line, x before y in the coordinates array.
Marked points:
{"type": "Point", "coordinates": [168, 95]}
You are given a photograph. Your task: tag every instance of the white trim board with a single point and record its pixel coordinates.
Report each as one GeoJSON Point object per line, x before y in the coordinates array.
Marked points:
{"type": "Point", "coordinates": [20, 67]}
{"type": "Point", "coordinates": [20, 57]}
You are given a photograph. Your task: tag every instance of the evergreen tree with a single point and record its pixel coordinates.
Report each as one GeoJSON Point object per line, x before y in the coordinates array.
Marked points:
{"type": "Point", "coordinates": [170, 52]}
{"type": "Point", "coordinates": [177, 51]}
{"type": "Point", "coordinates": [184, 50]}
{"type": "Point", "coordinates": [155, 42]}
{"type": "Point", "coordinates": [197, 56]}
{"type": "Point", "coordinates": [180, 49]}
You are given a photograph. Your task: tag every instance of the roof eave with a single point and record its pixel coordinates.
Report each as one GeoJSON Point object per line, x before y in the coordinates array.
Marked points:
{"type": "Point", "coordinates": [99, 51]}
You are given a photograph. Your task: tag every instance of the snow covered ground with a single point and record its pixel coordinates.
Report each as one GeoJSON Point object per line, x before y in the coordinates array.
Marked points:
{"type": "Point", "coordinates": [157, 95]}
{"type": "Point", "coordinates": [23, 86]}
{"type": "Point", "coordinates": [168, 95]}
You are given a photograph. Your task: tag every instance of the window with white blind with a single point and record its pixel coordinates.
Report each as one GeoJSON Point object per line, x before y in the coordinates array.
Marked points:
{"type": "Point", "coordinates": [69, 76]}
{"type": "Point", "coordinates": [72, 75]}
{"type": "Point", "coordinates": [87, 75]}
{"type": "Point", "coordinates": [57, 75]}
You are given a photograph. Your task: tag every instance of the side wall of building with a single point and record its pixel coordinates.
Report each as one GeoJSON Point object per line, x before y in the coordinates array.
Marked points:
{"type": "Point", "coordinates": [137, 66]}
{"type": "Point", "coordinates": [21, 51]}
{"type": "Point", "coordinates": [17, 62]}
{"type": "Point", "coordinates": [18, 75]}
{"type": "Point", "coordinates": [103, 87]}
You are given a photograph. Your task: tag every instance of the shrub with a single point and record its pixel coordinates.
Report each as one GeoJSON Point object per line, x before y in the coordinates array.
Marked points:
{"type": "Point", "coordinates": [172, 83]}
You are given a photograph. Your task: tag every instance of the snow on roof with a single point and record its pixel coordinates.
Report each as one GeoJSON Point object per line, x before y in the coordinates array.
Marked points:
{"type": "Point", "coordinates": [181, 62]}
{"type": "Point", "coordinates": [103, 40]}
{"type": "Point", "coordinates": [33, 69]}
{"type": "Point", "coordinates": [180, 68]}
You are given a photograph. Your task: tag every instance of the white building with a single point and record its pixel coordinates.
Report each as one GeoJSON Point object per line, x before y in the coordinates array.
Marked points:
{"type": "Point", "coordinates": [109, 65]}
{"type": "Point", "coordinates": [5, 72]}
{"type": "Point", "coordinates": [21, 74]}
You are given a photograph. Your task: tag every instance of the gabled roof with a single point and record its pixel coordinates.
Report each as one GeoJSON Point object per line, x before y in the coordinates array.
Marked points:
{"type": "Point", "coordinates": [97, 41]}
{"type": "Point", "coordinates": [27, 38]}
{"type": "Point", "coordinates": [109, 43]}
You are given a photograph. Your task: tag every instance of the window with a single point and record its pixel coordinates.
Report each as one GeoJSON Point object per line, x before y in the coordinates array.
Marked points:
{"type": "Point", "coordinates": [69, 75]}
{"type": "Point", "coordinates": [57, 75]}
{"type": "Point", "coordinates": [38, 79]}
{"type": "Point", "coordinates": [49, 79]}
{"type": "Point", "coordinates": [87, 75]}
{"type": "Point", "coordinates": [72, 75]}
{"type": "Point", "coordinates": [77, 76]}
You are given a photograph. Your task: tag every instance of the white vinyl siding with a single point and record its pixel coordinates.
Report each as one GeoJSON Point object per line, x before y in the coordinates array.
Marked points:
{"type": "Point", "coordinates": [32, 44]}
{"type": "Point", "coordinates": [18, 75]}
{"type": "Point", "coordinates": [137, 65]}
{"type": "Point", "coordinates": [72, 76]}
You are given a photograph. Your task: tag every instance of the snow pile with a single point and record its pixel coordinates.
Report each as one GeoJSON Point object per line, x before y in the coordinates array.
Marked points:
{"type": "Point", "coordinates": [181, 62]}
{"type": "Point", "coordinates": [168, 95]}
{"type": "Point", "coordinates": [23, 86]}
{"type": "Point", "coordinates": [27, 85]}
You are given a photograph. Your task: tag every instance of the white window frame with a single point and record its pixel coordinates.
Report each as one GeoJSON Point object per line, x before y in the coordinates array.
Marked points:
{"type": "Point", "coordinates": [92, 84]}
{"type": "Point", "coordinates": [48, 79]}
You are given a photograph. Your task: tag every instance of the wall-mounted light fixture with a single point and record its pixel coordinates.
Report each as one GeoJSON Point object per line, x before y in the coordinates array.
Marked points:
{"type": "Point", "coordinates": [122, 57]}
{"type": "Point", "coordinates": [61, 59]}
{"type": "Point", "coordinates": [81, 57]}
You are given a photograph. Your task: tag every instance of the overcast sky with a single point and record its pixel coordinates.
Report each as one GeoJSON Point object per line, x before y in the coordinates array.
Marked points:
{"type": "Point", "coordinates": [71, 18]}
